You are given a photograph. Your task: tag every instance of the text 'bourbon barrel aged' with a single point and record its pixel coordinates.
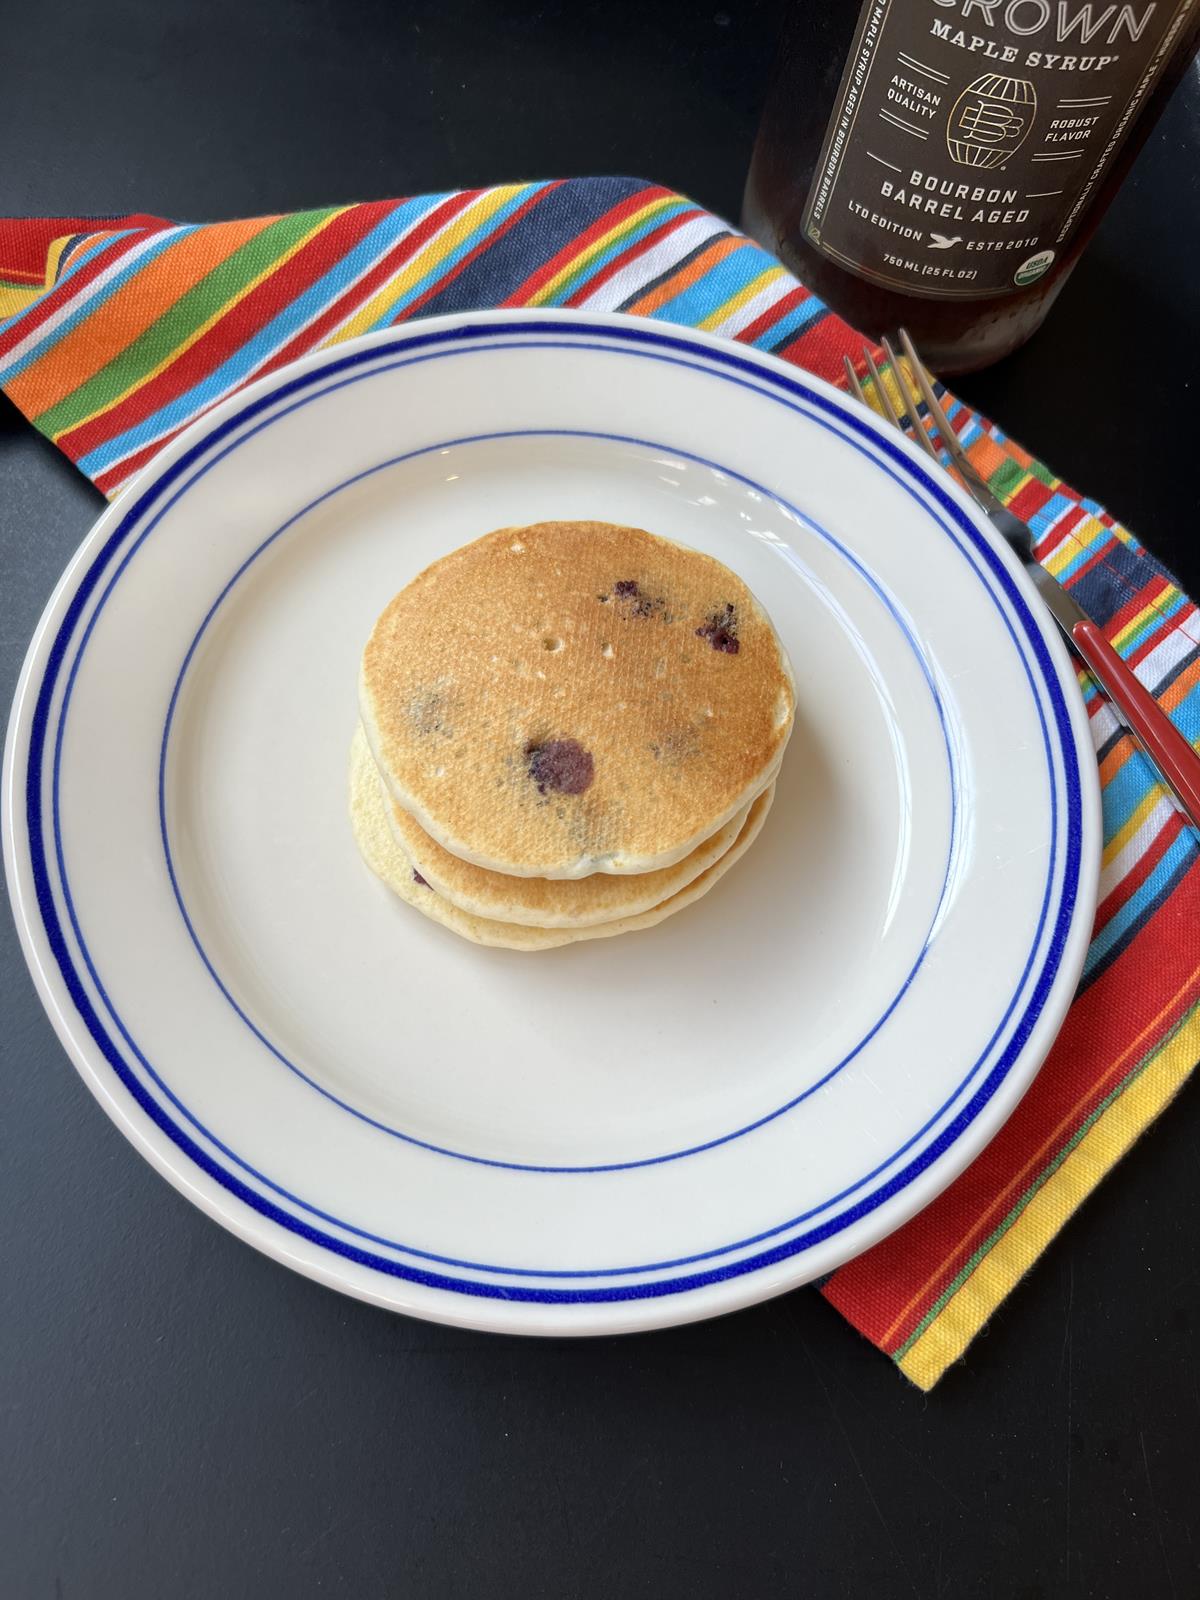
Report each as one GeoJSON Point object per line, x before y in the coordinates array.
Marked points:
{"type": "Point", "coordinates": [941, 163]}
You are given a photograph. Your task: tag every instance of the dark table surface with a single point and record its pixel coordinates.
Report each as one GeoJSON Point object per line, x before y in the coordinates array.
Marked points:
{"type": "Point", "coordinates": [180, 1416]}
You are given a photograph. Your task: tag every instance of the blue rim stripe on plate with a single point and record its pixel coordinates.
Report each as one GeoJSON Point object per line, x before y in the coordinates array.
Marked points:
{"type": "Point", "coordinates": [590, 336]}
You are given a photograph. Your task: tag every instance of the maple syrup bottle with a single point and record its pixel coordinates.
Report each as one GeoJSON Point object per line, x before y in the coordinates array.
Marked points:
{"type": "Point", "coordinates": [941, 164]}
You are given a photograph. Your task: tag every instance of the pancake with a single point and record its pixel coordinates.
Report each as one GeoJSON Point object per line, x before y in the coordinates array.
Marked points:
{"type": "Point", "coordinates": [547, 902]}
{"type": "Point", "coordinates": [575, 697]}
{"type": "Point", "coordinates": [380, 851]}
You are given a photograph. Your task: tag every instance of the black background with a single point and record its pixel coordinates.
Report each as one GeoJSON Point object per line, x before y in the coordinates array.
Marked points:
{"type": "Point", "coordinates": [182, 1417]}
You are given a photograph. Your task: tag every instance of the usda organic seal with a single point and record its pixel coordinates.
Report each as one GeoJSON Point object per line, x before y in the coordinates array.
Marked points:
{"type": "Point", "coordinates": [1033, 267]}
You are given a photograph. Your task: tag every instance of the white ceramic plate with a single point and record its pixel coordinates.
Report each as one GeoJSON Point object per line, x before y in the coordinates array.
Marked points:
{"type": "Point", "coordinates": [619, 1134]}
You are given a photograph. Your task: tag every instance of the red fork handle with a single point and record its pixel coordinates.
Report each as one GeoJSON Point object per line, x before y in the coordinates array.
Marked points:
{"type": "Point", "coordinates": [1174, 757]}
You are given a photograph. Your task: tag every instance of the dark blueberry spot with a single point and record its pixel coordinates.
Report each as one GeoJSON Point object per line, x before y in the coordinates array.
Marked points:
{"type": "Point", "coordinates": [417, 878]}
{"type": "Point", "coordinates": [628, 592]}
{"type": "Point", "coordinates": [721, 631]}
{"type": "Point", "coordinates": [562, 765]}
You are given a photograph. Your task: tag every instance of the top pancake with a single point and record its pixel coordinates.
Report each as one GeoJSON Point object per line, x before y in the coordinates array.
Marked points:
{"type": "Point", "coordinates": [575, 697]}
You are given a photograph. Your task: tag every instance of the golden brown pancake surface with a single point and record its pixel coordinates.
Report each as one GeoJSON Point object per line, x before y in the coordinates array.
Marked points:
{"type": "Point", "coordinates": [549, 902]}
{"type": "Point", "coordinates": [379, 849]}
{"type": "Point", "coordinates": [575, 697]}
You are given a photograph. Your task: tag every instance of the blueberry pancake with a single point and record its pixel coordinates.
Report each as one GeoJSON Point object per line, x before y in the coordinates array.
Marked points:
{"type": "Point", "coordinates": [548, 902]}
{"type": "Point", "coordinates": [381, 852]}
{"type": "Point", "coordinates": [574, 698]}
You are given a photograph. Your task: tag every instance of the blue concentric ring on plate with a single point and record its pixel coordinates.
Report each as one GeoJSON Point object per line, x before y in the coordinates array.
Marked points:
{"type": "Point", "coordinates": [442, 447]}
{"type": "Point", "coordinates": [139, 1078]}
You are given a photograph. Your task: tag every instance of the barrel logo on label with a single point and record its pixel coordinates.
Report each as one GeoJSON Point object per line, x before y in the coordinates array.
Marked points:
{"type": "Point", "coordinates": [990, 120]}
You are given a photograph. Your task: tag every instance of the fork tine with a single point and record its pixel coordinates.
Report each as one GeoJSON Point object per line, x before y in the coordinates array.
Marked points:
{"type": "Point", "coordinates": [856, 388]}
{"type": "Point", "coordinates": [881, 394]}
{"type": "Point", "coordinates": [912, 413]}
{"type": "Point", "coordinates": [940, 420]}
{"type": "Point", "coordinates": [967, 469]}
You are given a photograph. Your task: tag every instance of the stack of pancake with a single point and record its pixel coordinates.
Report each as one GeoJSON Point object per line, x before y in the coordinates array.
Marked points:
{"type": "Point", "coordinates": [568, 731]}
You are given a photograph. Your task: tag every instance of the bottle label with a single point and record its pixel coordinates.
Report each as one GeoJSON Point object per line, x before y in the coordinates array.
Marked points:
{"type": "Point", "coordinates": [968, 136]}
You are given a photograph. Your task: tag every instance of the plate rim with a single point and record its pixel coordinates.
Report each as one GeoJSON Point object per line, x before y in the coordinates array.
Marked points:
{"type": "Point", "coordinates": [455, 1303]}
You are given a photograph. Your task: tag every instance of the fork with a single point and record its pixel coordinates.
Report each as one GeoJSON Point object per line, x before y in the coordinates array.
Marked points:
{"type": "Point", "coordinates": [1176, 762]}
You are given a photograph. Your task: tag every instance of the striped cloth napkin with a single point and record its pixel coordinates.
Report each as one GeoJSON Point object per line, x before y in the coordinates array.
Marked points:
{"type": "Point", "coordinates": [122, 330]}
